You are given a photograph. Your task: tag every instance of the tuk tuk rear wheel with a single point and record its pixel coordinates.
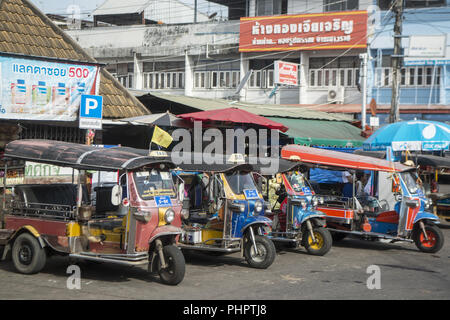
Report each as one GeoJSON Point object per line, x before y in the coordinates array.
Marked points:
{"type": "Point", "coordinates": [27, 254]}
{"type": "Point", "coordinates": [174, 273]}
{"type": "Point", "coordinates": [323, 242]}
{"type": "Point", "coordinates": [266, 250]}
{"type": "Point", "coordinates": [435, 239]}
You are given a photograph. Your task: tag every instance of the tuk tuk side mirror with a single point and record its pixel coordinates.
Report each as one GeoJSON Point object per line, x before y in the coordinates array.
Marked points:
{"type": "Point", "coordinates": [116, 195]}
{"type": "Point", "coordinates": [181, 191]}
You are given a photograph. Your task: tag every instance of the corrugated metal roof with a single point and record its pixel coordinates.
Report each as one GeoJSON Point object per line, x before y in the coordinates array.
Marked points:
{"type": "Point", "coordinates": [25, 30]}
{"type": "Point", "coordinates": [121, 7]}
{"type": "Point", "coordinates": [267, 110]}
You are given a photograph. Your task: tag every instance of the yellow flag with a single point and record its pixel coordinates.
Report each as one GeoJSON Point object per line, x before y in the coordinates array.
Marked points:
{"type": "Point", "coordinates": [161, 137]}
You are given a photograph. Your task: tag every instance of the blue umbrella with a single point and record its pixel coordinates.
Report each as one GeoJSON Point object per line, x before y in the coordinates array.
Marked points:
{"type": "Point", "coordinates": [412, 135]}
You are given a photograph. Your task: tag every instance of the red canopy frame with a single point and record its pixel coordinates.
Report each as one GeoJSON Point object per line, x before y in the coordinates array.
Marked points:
{"type": "Point", "coordinates": [339, 159]}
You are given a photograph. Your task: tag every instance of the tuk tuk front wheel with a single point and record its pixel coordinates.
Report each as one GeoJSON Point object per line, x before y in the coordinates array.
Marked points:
{"type": "Point", "coordinates": [265, 255]}
{"type": "Point", "coordinates": [27, 254]}
{"type": "Point", "coordinates": [435, 239]}
{"type": "Point", "coordinates": [173, 274]}
{"type": "Point", "coordinates": [322, 244]}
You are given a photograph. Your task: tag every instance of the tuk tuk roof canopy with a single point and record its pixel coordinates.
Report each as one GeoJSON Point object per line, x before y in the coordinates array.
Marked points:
{"type": "Point", "coordinates": [419, 159]}
{"type": "Point", "coordinates": [200, 162]}
{"type": "Point", "coordinates": [328, 158]}
{"type": "Point", "coordinates": [263, 165]}
{"type": "Point", "coordinates": [82, 157]}
{"type": "Point", "coordinates": [270, 166]}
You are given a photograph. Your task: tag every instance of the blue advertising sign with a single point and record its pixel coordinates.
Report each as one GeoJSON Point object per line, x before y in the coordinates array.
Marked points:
{"type": "Point", "coordinates": [163, 201]}
{"type": "Point", "coordinates": [43, 90]}
{"type": "Point", "coordinates": [251, 194]}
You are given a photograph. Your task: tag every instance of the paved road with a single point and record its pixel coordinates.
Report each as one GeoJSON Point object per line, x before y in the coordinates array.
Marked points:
{"type": "Point", "coordinates": [406, 273]}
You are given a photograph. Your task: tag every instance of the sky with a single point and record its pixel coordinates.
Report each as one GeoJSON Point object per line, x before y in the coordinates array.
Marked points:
{"type": "Point", "coordinates": [87, 6]}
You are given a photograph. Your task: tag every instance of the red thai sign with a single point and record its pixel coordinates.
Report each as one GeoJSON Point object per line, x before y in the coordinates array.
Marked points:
{"type": "Point", "coordinates": [316, 31]}
{"type": "Point", "coordinates": [286, 73]}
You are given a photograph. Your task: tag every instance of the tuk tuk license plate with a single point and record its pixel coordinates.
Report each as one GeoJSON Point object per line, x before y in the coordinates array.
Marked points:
{"type": "Point", "coordinates": [251, 194]}
{"type": "Point", "coordinates": [163, 201]}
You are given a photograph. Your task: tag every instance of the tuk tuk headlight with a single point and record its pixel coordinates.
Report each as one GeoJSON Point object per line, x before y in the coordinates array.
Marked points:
{"type": "Point", "coordinates": [428, 203]}
{"type": "Point", "coordinates": [321, 200]}
{"type": "Point", "coordinates": [398, 197]}
{"type": "Point", "coordinates": [169, 216]}
{"type": "Point", "coordinates": [315, 201]}
{"type": "Point", "coordinates": [258, 206]}
{"type": "Point", "coordinates": [235, 206]}
{"type": "Point", "coordinates": [303, 204]}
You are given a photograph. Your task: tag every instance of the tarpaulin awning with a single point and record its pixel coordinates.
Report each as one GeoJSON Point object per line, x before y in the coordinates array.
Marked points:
{"type": "Point", "coordinates": [233, 115]}
{"type": "Point", "coordinates": [322, 132]}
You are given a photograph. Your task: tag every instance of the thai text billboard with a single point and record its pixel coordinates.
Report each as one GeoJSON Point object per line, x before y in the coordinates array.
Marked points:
{"type": "Point", "coordinates": [316, 31]}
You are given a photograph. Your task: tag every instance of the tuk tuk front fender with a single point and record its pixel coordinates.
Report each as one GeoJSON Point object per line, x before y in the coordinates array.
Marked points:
{"type": "Point", "coordinates": [423, 215]}
{"type": "Point", "coordinates": [312, 214]}
{"type": "Point", "coordinates": [255, 220]}
{"type": "Point", "coordinates": [167, 230]}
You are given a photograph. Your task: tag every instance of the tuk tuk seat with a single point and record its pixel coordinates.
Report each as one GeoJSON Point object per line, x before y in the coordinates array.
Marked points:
{"type": "Point", "coordinates": [57, 194]}
{"type": "Point", "coordinates": [43, 197]}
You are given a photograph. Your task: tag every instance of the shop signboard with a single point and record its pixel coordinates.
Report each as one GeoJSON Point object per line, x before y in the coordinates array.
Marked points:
{"type": "Point", "coordinates": [427, 46]}
{"type": "Point", "coordinates": [316, 31]}
{"type": "Point", "coordinates": [286, 73]}
{"type": "Point", "coordinates": [44, 90]}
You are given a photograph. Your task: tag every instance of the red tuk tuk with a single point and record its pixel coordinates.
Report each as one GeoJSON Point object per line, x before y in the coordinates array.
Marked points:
{"type": "Point", "coordinates": [135, 221]}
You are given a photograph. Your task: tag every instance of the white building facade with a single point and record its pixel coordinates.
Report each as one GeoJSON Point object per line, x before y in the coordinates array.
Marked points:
{"type": "Point", "coordinates": [208, 59]}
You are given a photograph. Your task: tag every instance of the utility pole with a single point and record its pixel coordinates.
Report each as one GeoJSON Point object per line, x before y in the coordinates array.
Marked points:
{"type": "Point", "coordinates": [364, 58]}
{"type": "Point", "coordinates": [195, 11]}
{"type": "Point", "coordinates": [396, 59]}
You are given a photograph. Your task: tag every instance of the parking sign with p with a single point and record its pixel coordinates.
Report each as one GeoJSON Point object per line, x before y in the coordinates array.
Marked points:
{"type": "Point", "coordinates": [91, 112]}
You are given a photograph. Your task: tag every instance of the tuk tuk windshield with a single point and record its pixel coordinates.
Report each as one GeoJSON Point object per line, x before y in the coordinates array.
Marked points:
{"type": "Point", "coordinates": [297, 181]}
{"type": "Point", "coordinates": [154, 183]}
{"type": "Point", "coordinates": [240, 181]}
{"type": "Point", "coordinates": [410, 179]}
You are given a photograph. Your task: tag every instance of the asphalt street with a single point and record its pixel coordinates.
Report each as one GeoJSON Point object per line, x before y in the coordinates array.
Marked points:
{"type": "Point", "coordinates": [405, 273]}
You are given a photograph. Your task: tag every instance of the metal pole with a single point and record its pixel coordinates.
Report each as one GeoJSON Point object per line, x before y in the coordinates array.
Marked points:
{"type": "Point", "coordinates": [396, 61]}
{"type": "Point", "coordinates": [195, 11]}
{"type": "Point", "coordinates": [2, 212]}
{"type": "Point", "coordinates": [364, 91]}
